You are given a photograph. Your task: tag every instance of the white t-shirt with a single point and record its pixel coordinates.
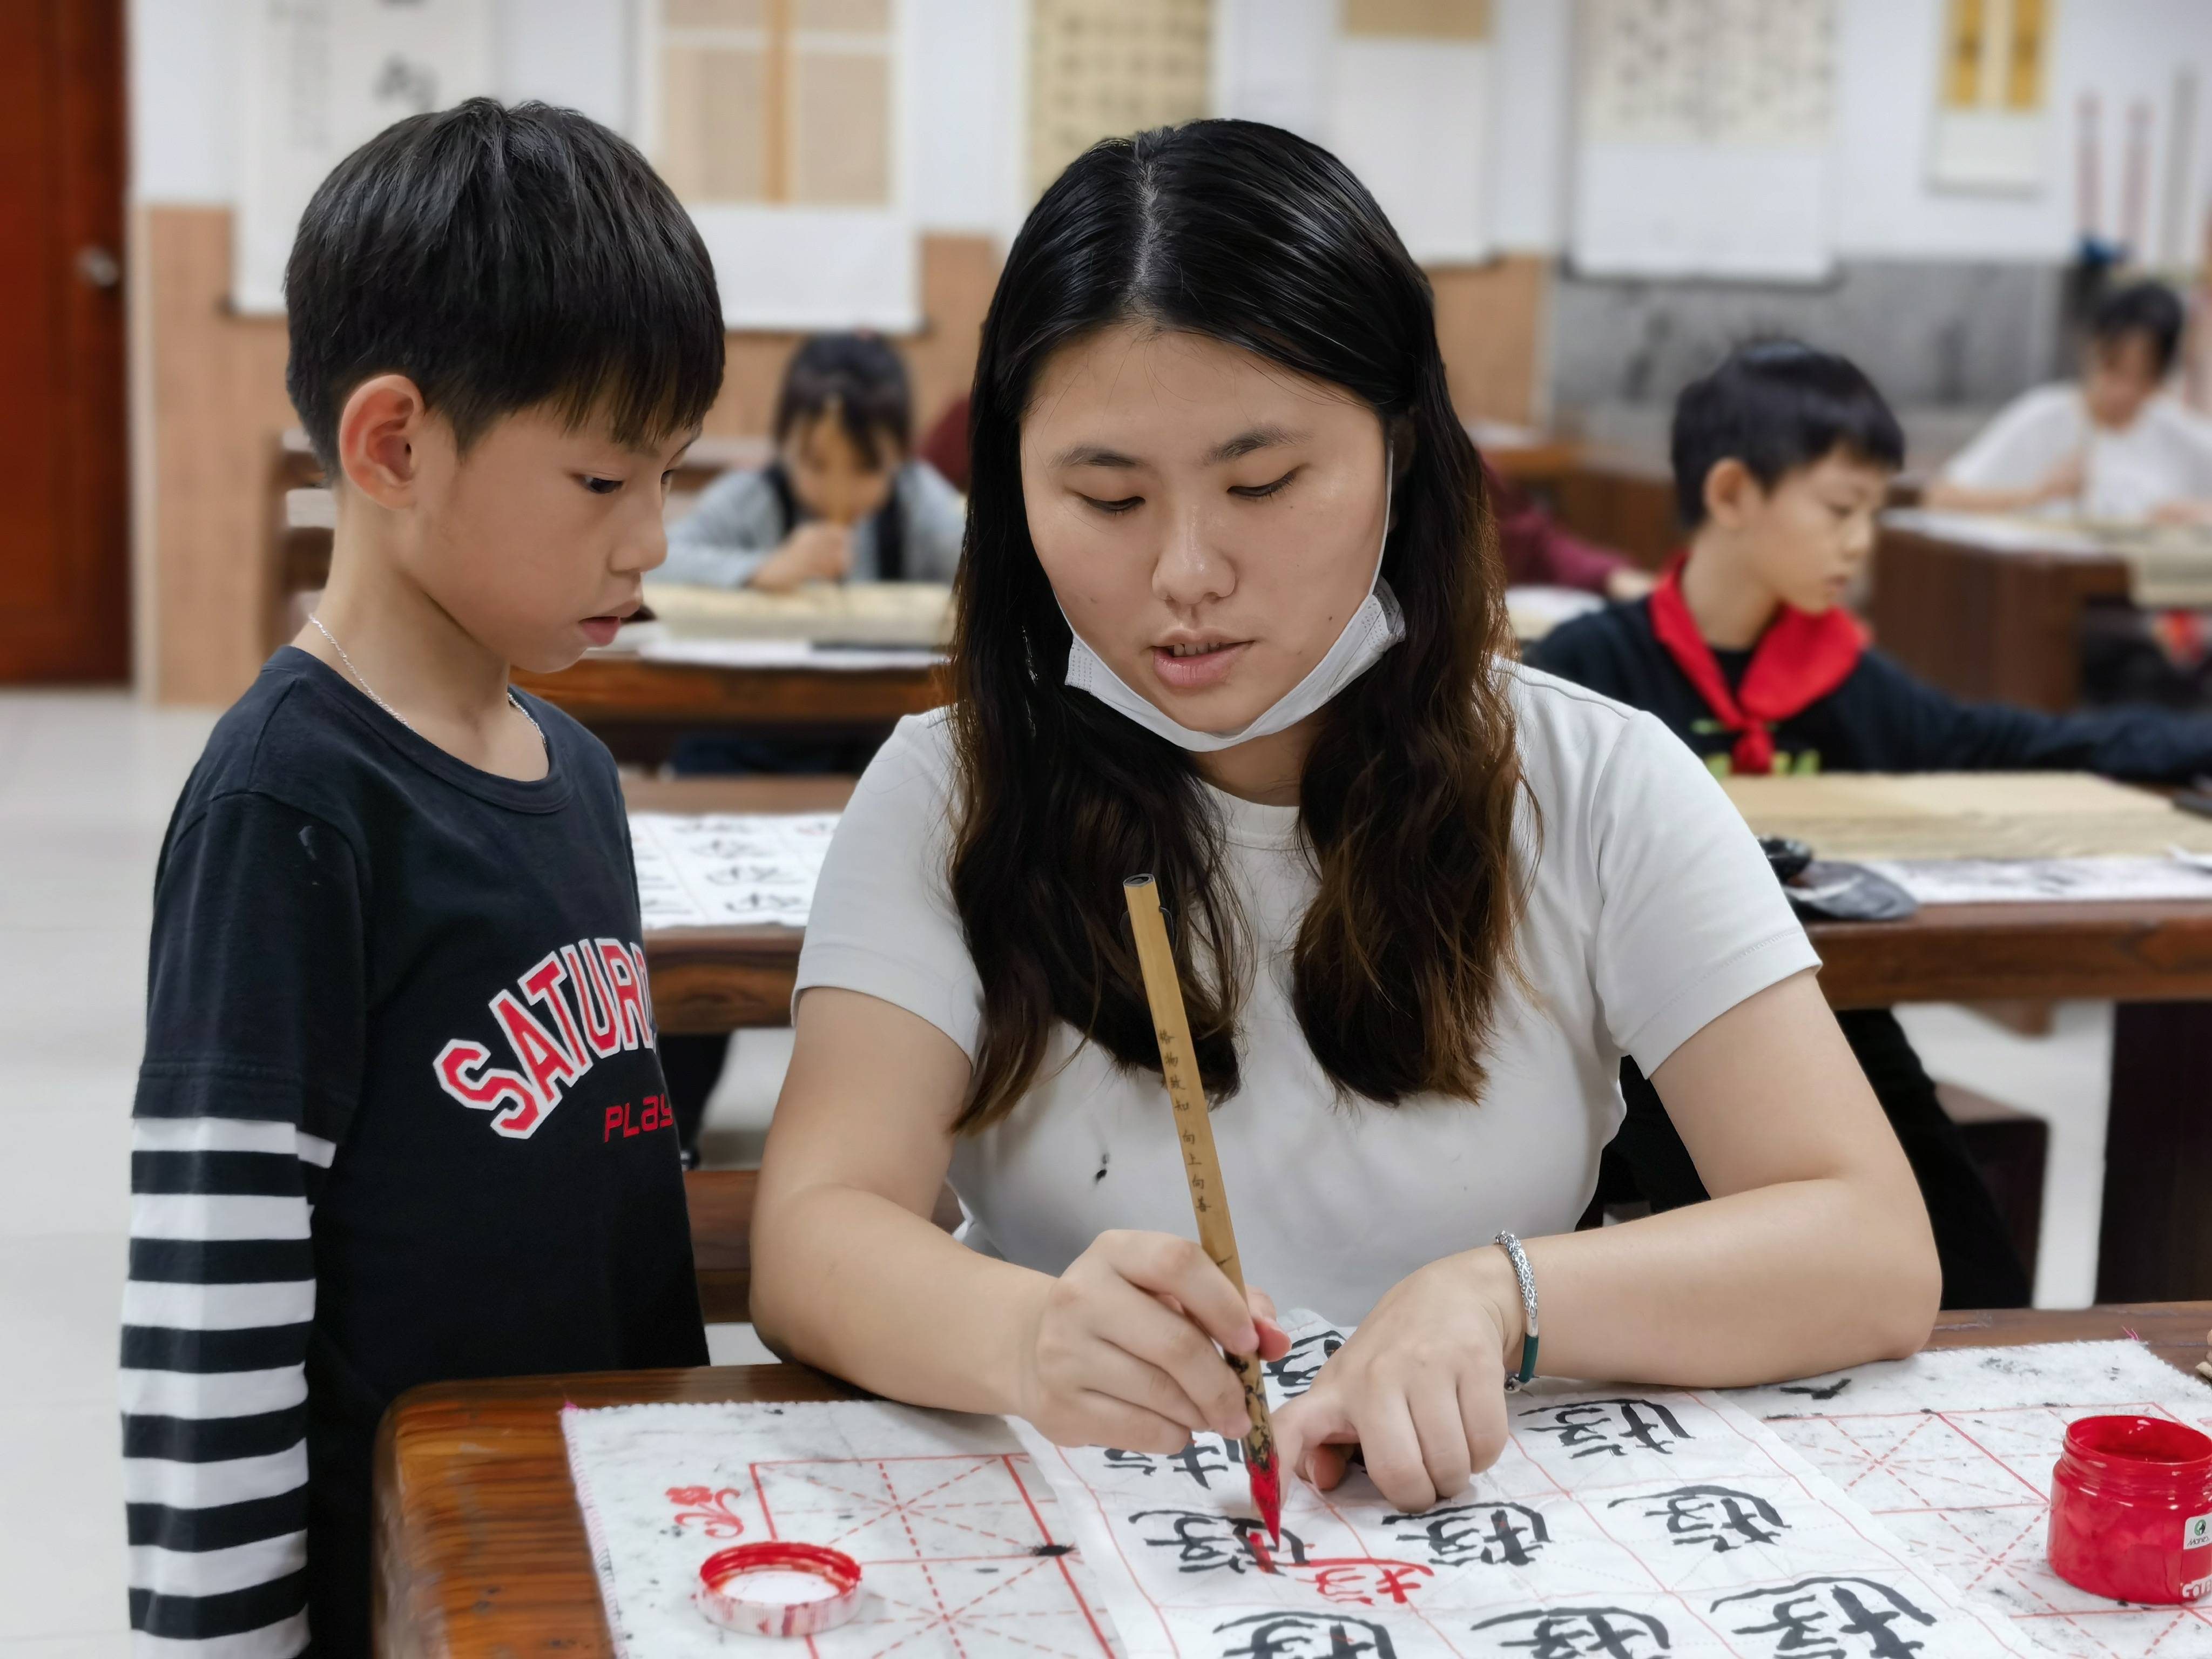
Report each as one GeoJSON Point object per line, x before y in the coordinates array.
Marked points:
{"type": "Point", "coordinates": [1652, 912]}
{"type": "Point", "coordinates": [2164, 455]}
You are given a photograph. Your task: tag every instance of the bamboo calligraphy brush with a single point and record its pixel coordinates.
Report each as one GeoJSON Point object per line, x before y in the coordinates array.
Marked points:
{"type": "Point", "coordinates": [1209, 1199]}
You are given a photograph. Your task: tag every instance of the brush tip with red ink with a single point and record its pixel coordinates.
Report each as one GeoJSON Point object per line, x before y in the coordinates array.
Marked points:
{"type": "Point", "coordinates": [1266, 1491]}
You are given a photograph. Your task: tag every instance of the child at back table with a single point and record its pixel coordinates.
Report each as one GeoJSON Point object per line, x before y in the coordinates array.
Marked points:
{"type": "Point", "coordinates": [1782, 456]}
{"type": "Point", "coordinates": [401, 1117]}
{"type": "Point", "coordinates": [2109, 446]}
{"type": "Point", "coordinates": [844, 498]}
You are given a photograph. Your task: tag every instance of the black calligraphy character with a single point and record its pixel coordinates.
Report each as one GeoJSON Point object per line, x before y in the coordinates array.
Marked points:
{"type": "Point", "coordinates": [1307, 1636]}
{"type": "Point", "coordinates": [1142, 1462]}
{"type": "Point", "coordinates": [1496, 1534]}
{"type": "Point", "coordinates": [1205, 1541]}
{"type": "Point", "coordinates": [1828, 1392]}
{"type": "Point", "coordinates": [1720, 1517]}
{"type": "Point", "coordinates": [1574, 1633]}
{"type": "Point", "coordinates": [1594, 1426]}
{"type": "Point", "coordinates": [1192, 1459]}
{"type": "Point", "coordinates": [1812, 1619]}
{"type": "Point", "coordinates": [1294, 1371]}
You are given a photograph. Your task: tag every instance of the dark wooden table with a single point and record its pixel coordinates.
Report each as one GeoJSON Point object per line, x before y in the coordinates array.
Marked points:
{"type": "Point", "coordinates": [1985, 622]}
{"type": "Point", "coordinates": [481, 1550]}
{"type": "Point", "coordinates": [638, 707]}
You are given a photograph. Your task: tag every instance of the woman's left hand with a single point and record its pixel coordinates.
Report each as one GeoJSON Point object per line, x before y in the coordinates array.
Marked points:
{"type": "Point", "coordinates": [1419, 1388]}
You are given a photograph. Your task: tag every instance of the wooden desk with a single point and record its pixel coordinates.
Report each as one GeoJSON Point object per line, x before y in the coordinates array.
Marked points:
{"type": "Point", "coordinates": [2146, 951]}
{"type": "Point", "coordinates": [1989, 623]}
{"type": "Point", "coordinates": [1620, 500]}
{"type": "Point", "coordinates": [481, 1549]}
{"type": "Point", "coordinates": [638, 707]}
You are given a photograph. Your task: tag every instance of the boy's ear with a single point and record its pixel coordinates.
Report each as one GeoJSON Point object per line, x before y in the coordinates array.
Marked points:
{"type": "Point", "coordinates": [1731, 493]}
{"type": "Point", "coordinates": [379, 431]}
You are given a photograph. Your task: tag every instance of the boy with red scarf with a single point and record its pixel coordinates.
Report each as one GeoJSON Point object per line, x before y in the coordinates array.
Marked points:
{"type": "Point", "coordinates": [1782, 456]}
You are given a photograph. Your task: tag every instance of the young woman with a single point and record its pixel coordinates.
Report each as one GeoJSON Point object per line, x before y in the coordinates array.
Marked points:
{"type": "Point", "coordinates": [1228, 614]}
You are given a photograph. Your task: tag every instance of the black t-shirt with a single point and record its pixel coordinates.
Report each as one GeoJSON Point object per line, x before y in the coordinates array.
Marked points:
{"type": "Point", "coordinates": [1881, 719]}
{"type": "Point", "coordinates": [435, 976]}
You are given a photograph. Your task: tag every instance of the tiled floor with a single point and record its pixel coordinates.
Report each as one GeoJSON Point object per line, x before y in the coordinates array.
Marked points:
{"type": "Point", "coordinates": [86, 785]}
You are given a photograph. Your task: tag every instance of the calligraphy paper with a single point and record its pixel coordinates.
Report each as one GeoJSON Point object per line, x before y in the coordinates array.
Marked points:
{"type": "Point", "coordinates": [1999, 881]}
{"type": "Point", "coordinates": [1893, 1511]}
{"type": "Point", "coordinates": [963, 1551]}
{"type": "Point", "coordinates": [1953, 1452]}
{"type": "Point", "coordinates": [1633, 1523]}
{"type": "Point", "coordinates": [723, 870]}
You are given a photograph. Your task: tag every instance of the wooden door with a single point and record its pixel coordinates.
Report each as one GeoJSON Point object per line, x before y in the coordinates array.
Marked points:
{"type": "Point", "coordinates": [64, 525]}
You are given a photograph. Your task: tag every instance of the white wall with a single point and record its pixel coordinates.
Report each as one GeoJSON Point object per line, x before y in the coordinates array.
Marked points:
{"type": "Point", "coordinates": [180, 56]}
{"type": "Point", "coordinates": [967, 152]}
{"type": "Point", "coordinates": [1887, 56]}
{"type": "Point", "coordinates": [1531, 108]}
{"type": "Point", "coordinates": [1411, 118]}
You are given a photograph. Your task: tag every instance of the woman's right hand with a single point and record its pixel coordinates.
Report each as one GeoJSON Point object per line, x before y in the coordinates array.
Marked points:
{"type": "Point", "coordinates": [1119, 1350]}
{"type": "Point", "coordinates": [815, 552]}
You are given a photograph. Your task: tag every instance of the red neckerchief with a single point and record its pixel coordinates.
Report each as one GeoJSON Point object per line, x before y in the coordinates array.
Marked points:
{"type": "Point", "coordinates": [1798, 661]}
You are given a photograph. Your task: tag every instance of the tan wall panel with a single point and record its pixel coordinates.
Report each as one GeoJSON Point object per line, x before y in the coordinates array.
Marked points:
{"type": "Point", "coordinates": [1430, 20]}
{"type": "Point", "coordinates": [218, 409]}
{"type": "Point", "coordinates": [1490, 324]}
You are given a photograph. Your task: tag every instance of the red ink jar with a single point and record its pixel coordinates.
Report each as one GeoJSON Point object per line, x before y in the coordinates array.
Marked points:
{"type": "Point", "coordinates": [2132, 1510]}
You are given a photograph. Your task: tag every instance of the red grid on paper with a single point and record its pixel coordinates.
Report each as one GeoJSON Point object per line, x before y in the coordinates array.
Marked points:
{"type": "Point", "coordinates": [1969, 1491]}
{"type": "Point", "coordinates": [949, 1545]}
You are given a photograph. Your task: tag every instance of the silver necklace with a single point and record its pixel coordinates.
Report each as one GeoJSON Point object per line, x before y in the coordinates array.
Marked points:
{"type": "Point", "coordinates": [513, 702]}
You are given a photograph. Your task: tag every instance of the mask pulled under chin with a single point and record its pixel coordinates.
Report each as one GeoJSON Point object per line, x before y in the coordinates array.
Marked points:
{"type": "Point", "coordinates": [1377, 626]}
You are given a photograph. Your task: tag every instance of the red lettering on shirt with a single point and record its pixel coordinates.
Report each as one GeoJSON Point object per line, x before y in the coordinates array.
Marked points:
{"type": "Point", "coordinates": [487, 1088]}
{"type": "Point", "coordinates": [550, 1067]}
{"type": "Point", "coordinates": [602, 1025]}
{"type": "Point", "coordinates": [629, 996]}
{"type": "Point", "coordinates": [607, 980]}
{"type": "Point", "coordinates": [543, 985]}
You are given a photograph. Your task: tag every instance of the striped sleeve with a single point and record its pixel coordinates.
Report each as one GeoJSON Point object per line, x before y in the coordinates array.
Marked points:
{"type": "Point", "coordinates": [216, 1317]}
{"type": "Point", "coordinates": [255, 1002]}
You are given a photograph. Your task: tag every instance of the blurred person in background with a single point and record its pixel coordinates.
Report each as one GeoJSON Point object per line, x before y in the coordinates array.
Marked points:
{"type": "Point", "coordinates": [845, 499]}
{"type": "Point", "coordinates": [2111, 446]}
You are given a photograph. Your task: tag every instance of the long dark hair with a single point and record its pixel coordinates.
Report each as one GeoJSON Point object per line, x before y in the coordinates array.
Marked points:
{"type": "Point", "coordinates": [1246, 235]}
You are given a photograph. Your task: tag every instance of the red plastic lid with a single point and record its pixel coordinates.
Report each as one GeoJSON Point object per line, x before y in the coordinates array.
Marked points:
{"type": "Point", "coordinates": [779, 1589]}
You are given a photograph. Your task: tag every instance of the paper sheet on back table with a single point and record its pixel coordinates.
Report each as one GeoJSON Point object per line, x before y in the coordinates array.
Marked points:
{"type": "Point", "coordinates": [1625, 1523]}
{"type": "Point", "coordinates": [721, 870]}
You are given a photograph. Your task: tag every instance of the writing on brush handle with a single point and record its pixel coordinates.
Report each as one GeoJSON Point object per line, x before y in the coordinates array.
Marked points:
{"type": "Point", "coordinates": [1209, 1196]}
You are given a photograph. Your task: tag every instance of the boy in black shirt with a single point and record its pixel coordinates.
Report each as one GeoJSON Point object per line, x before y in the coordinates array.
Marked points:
{"type": "Point", "coordinates": [401, 1116]}
{"type": "Point", "coordinates": [1782, 456]}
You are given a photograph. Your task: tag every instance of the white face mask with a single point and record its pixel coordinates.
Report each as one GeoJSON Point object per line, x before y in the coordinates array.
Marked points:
{"type": "Point", "coordinates": [1377, 626]}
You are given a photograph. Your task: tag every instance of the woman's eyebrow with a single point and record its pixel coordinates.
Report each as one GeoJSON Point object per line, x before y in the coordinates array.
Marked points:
{"type": "Point", "coordinates": [1254, 437]}
{"type": "Point", "coordinates": [1093, 455]}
